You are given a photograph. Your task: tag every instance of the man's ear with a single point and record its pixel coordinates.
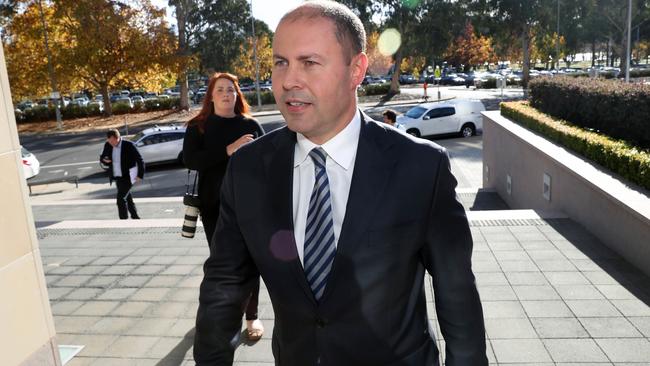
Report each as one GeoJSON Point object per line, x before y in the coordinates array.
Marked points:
{"type": "Point", "coordinates": [359, 65]}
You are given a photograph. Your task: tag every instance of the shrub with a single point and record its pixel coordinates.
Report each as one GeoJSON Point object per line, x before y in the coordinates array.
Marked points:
{"type": "Point", "coordinates": [121, 108]}
{"type": "Point", "coordinates": [614, 108]}
{"type": "Point", "coordinates": [374, 89]}
{"type": "Point", "coordinates": [266, 97]}
{"type": "Point", "coordinates": [618, 156]}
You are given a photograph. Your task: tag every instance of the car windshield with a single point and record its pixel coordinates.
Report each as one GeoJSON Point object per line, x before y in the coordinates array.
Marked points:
{"type": "Point", "coordinates": [137, 136]}
{"type": "Point", "coordinates": [415, 112]}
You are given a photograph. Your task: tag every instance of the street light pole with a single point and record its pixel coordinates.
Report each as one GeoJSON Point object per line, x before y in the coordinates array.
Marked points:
{"type": "Point", "coordinates": [55, 93]}
{"type": "Point", "coordinates": [629, 38]}
{"type": "Point", "coordinates": [257, 65]}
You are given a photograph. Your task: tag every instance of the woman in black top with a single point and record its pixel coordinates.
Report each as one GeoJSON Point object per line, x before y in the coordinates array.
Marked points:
{"type": "Point", "coordinates": [223, 126]}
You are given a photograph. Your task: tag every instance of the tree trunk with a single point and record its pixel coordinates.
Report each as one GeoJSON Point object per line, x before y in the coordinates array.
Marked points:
{"type": "Point", "coordinates": [394, 84]}
{"type": "Point", "coordinates": [593, 52]}
{"type": "Point", "coordinates": [108, 109]}
{"type": "Point", "coordinates": [624, 55]}
{"type": "Point", "coordinates": [526, 65]}
{"type": "Point", "coordinates": [182, 49]}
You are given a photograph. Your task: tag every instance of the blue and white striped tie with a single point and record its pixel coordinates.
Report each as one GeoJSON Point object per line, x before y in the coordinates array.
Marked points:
{"type": "Point", "coordinates": [319, 234]}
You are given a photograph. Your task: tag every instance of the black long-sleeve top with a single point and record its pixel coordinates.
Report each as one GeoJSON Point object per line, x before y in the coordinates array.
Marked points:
{"type": "Point", "coordinates": [206, 153]}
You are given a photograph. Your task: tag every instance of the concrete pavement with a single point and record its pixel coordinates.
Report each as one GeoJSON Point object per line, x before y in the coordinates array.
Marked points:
{"type": "Point", "coordinates": [552, 293]}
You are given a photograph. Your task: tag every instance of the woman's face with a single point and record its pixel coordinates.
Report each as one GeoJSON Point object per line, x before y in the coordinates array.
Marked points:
{"type": "Point", "coordinates": [224, 97]}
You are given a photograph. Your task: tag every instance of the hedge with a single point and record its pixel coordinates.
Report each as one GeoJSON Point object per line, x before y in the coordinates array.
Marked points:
{"type": "Point", "coordinates": [618, 156]}
{"type": "Point", "coordinates": [265, 96]}
{"type": "Point", "coordinates": [617, 109]}
{"type": "Point", "coordinates": [374, 89]}
{"type": "Point", "coordinates": [43, 113]}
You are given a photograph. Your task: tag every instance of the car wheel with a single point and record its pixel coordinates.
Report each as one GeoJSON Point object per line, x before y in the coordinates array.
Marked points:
{"type": "Point", "coordinates": [468, 130]}
{"type": "Point", "coordinates": [414, 131]}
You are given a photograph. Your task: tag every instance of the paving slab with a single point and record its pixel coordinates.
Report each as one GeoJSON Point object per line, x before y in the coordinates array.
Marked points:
{"type": "Point", "coordinates": [130, 294]}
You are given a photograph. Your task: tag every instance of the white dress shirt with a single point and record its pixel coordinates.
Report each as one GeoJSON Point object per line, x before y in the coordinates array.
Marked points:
{"type": "Point", "coordinates": [341, 153]}
{"type": "Point", "coordinates": [117, 159]}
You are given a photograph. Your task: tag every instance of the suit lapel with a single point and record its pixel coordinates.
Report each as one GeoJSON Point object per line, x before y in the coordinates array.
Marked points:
{"type": "Point", "coordinates": [372, 168]}
{"type": "Point", "coordinates": [279, 172]}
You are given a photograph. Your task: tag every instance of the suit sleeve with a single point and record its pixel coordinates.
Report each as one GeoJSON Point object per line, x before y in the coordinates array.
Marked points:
{"type": "Point", "coordinates": [198, 155]}
{"type": "Point", "coordinates": [448, 258]}
{"type": "Point", "coordinates": [138, 160]}
{"type": "Point", "coordinates": [229, 277]}
{"type": "Point", "coordinates": [106, 152]}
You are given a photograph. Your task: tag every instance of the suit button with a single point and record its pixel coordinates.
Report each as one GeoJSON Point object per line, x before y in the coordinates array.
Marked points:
{"type": "Point", "coordinates": [320, 322]}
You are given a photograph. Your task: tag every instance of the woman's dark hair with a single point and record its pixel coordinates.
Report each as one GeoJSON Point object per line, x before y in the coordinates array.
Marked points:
{"type": "Point", "coordinates": [241, 105]}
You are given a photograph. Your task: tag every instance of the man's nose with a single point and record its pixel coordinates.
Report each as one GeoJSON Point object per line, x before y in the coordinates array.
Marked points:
{"type": "Point", "coordinates": [293, 78]}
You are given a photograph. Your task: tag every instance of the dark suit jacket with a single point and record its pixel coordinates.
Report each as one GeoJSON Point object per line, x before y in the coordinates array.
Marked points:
{"type": "Point", "coordinates": [402, 218]}
{"type": "Point", "coordinates": [129, 157]}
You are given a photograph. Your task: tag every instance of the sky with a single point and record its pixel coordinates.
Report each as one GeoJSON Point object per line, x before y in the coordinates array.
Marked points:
{"type": "Point", "coordinates": [269, 11]}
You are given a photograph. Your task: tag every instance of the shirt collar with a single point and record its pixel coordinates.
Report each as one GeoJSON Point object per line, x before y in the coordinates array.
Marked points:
{"type": "Point", "coordinates": [119, 144]}
{"type": "Point", "coordinates": [340, 148]}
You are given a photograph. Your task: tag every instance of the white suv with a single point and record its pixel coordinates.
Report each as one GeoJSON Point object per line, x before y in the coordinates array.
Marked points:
{"type": "Point", "coordinates": [458, 116]}
{"type": "Point", "coordinates": [162, 144]}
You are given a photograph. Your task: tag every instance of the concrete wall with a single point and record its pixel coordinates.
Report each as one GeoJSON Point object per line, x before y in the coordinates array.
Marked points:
{"type": "Point", "coordinates": [606, 206]}
{"type": "Point", "coordinates": [26, 325]}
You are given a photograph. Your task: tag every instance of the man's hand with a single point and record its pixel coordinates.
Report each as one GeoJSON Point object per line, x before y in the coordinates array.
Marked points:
{"type": "Point", "coordinates": [107, 160]}
{"type": "Point", "coordinates": [137, 180]}
{"type": "Point", "coordinates": [230, 149]}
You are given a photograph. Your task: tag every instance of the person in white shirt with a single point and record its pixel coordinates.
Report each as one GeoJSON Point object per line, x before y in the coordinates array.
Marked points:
{"type": "Point", "coordinates": [125, 167]}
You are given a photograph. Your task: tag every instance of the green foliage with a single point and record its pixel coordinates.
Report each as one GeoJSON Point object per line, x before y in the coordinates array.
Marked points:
{"type": "Point", "coordinates": [618, 156]}
{"type": "Point", "coordinates": [266, 97]}
{"type": "Point", "coordinates": [121, 108]}
{"type": "Point", "coordinates": [612, 107]}
{"type": "Point", "coordinates": [374, 89]}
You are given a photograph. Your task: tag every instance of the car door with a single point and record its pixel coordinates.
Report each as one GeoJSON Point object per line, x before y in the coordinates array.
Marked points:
{"type": "Point", "coordinates": [148, 147]}
{"type": "Point", "coordinates": [439, 121]}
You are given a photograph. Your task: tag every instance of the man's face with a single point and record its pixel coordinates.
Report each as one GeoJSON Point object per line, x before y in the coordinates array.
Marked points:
{"type": "Point", "coordinates": [113, 141]}
{"type": "Point", "coordinates": [313, 85]}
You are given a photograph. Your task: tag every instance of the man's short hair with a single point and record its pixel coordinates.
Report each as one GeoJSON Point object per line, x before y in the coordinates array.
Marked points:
{"type": "Point", "coordinates": [349, 29]}
{"type": "Point", "coordinates": [390, 114]}
{"type": "Point", "coordinates": [113, 132]}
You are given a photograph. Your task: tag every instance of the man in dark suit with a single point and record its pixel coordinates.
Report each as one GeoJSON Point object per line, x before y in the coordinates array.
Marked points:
{"type": "Point", "coordinates": [341, 216]}
{"type": "Point", "coordinates": [125, 167]}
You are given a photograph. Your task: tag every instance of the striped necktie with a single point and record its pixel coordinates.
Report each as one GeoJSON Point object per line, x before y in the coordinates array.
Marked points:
{"type": "Point", "coordinates": [319, 234]}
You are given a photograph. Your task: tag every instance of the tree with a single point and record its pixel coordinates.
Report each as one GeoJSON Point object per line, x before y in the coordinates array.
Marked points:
{"type": "Point", "coordinates": [545, 48]}
{"type": "Point", "coordinates": [111, 43]}
{"type": "Point", "coordinates": [520, 17]}
{"type": "Point", "coordinates": [216, 29]}
{"type": "Point", "coordinates": [470, 50]}
{"type": "Point", "coordinates": [378, 63]}
{"type": "Point", "coordinates": [25, 53]}
{"type": "Point", "coordinates": [244, 64]}
{"type": "Point", "coordinates": [182, 9]}
{"type": "Point", "coordinates": [615, 11]}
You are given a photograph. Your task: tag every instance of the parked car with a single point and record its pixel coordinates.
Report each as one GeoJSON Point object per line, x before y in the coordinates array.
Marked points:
{"type": "Point", "coordinates": [137, 99]}
{"type": "Point", "coordinates": [452, 79]}
{"type": "Point", "coordinates": [162, 144]}
{"type": "Point", "coordinates": [31, 165]}
{"type": "Point", "coordinates": [97, 102]}
{"type": "Point", "coordinates": [81, 102]}
{"type": "Point", "coordinates": [26, 104]}
{"type": "Point", "coordinates": [198, 97]}
{"type": "Point", "coordinates": [407, 79]}
{"type": "Point", "coordinates": [458, 116]}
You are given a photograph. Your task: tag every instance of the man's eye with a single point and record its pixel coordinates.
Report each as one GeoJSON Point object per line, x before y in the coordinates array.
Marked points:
{"type": "Point", "coordinates": [279, 63]}
{"type": "Point", "coordinates": [310, 63]}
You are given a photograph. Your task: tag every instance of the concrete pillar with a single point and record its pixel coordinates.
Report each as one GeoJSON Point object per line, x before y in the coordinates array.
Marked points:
{"type": "Point", "coordinates": [26, 326]}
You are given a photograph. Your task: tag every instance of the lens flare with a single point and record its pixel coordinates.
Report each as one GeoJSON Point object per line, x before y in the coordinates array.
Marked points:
{"type": "Point", "coordinates": [389, 41]}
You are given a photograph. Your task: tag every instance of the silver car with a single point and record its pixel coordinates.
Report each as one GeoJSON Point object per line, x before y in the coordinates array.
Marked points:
{"type": "Point", "coordinates": [160, 144]}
